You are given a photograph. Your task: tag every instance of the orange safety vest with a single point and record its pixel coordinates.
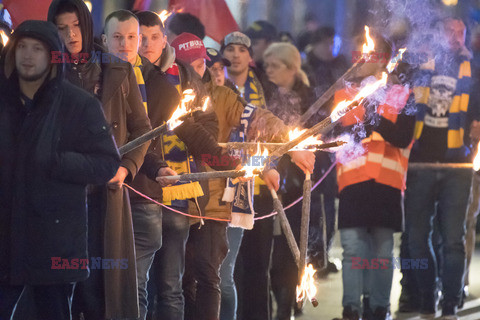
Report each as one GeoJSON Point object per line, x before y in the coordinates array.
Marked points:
{"type": "Point", "coordinates": [382, 162]}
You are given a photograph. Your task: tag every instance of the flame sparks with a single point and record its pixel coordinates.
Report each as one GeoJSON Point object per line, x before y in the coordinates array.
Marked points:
{"type": "Point", "coordinates": [370, 45]}
{"type": "Point", "coordinates": [394, 62]}
{"type": "Point", "coordinates": [307, 288]}
{"type": "Point", "coordinates": [256, 162]}
{"type": "Point", "coordinates": [305, 144]}
{"type": "Point", "coordinates": [4, 37]}
{"type": "Point", "coordinates": [476, 160]}
{"type": "Point", "coordinates": [164, 15]}
{"type": "Point", "coordinates": [182, 109]}
{"type": "Point", "coordinates": [343, 107]}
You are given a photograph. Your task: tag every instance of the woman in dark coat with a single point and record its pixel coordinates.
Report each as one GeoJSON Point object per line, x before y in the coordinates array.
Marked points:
{"type": "Point", "coordinates": [109, 293]}
{"type": "Point", "coordinates": [291, 99]}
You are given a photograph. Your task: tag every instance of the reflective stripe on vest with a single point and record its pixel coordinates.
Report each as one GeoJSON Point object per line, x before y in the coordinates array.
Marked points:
{"type": "Point", "coordinates": [382, 162]}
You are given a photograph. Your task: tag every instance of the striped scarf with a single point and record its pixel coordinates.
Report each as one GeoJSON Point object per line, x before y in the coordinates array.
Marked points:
{"type": "Point", "coordinates": [137, 68]}
{"type": "Point", "coordinates": [253, 92]}
{"type": "Point", "coordinates": [254, 95]}
{"type": "Point", "coordinates": [176, 155]}
{"type": "Point", "coordinates": [457, 114]}
{"type": "Point", "coordinates": [173, 76]}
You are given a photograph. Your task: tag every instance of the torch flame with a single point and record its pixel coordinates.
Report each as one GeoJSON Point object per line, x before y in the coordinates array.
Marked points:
{"type": "Point", "coordinates": [476, 160]}
{"type": "Point", "coordinates": [206, 104]}
{"type": "Point", "coordinates": [305, 144]}
{"type": "Point", "coordinates": [254, 165]}
{"type": "Point", "coordinates": [307, 288]}
{"type": "Point", "coordinates": [182, 109]}
{"type": "Point", "coordinates": [394, 61]}
{"type": "Point", "coordinates": [343, 107]}
{"type": "Point", "coordinates": [4, 37]}
{"type": "Point", "coordinates": [370, 45]}
{"type": "Point", "coordinates": [164, 15]}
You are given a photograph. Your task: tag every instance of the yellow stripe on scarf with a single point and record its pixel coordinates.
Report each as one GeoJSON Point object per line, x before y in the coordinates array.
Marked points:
{"type": "Point", "coordinates": [182, 192]}
{"type": "Point", "coordinates": [455, 138]}
{"type": "Point", "coordinates": [421, 94]}
{"type": "Point", "coordinates": [139, 77]}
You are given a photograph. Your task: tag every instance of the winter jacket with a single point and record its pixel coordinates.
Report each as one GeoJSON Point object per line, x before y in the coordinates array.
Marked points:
{"type": "Point", "coordinates": [370, 201]}
{"type": "Point", "coordinates": [265, 126]}
{"type": "Point", "coordinates": [49, 152]}
{"type": "Point", "coordinates": [114, 83]}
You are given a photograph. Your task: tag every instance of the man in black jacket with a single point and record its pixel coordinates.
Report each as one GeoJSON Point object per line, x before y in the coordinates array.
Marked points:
{"type": "Point", "coordinates": [54, 140]}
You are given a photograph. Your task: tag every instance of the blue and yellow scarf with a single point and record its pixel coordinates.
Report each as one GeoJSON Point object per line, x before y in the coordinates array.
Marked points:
{"type": "Point", "coordinates": [137, 68]}
{"type": "Point", "coordinates": [253, 91]}
{"type": "Point", "coordinates": [457, 114]}
{"type": "Point", "coordinates": [253, 94]}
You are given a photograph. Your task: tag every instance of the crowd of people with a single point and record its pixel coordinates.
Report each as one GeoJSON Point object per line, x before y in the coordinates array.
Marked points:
{"type": "Point", "coordinates": [90, 232]}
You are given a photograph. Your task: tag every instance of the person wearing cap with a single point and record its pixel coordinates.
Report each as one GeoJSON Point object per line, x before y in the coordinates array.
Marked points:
{"type": "Point", "coordinates": [262, 33]}
{"type": "Point", "coordinates": [216, 65]}
{"type": "Point", "coordinates": [208, 246]}
{"type": "Point", "coordinates": [251, 82]}
{"type": "Point", "coordinates": [54, 140]}
{"type": "Point", "coordinates": [322, 67]}
{"type": "Point", "coordinates": [236, 47]}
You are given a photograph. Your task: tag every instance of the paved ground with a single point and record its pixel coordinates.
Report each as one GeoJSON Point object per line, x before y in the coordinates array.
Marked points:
{"type": "Point", "coordinates": [330, 293]}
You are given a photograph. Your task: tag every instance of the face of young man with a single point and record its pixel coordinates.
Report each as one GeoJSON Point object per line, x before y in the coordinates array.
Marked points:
{"type": "Point", "coordinates": [199, 66]}
{"type": "Point", "coordinates": [239, 58]}
{"type": "Point", "coordinates": [218, 73]}
{"type": "Point", "coordinates": [153, 42]}
{"type": "Point", "coordinates": [69, 31]}
{"type": "Point", "coordinates": [32, 59]}
{"type": "Point", "coordinates": [122, 38]}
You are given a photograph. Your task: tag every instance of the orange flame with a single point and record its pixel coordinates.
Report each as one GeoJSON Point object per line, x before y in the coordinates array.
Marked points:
{"type": "Point", "coordinates": [206, 104]}
{"type": "Point", "coordinates": [476, 160]}
{"type": "Point", "coordinates": [164, 15]}
{"type": "Point", "coordinates": [4, 37]}
{"type": "Point", "coordinates": [394, 61]}
{"type": "Point", "coordinates": [370, 45]}
{"type": "Point", "coordinates": [305, 144]}
{"type": "Point", "coordinates": [255, 164]}
{"type": "Point", "coordinates": [182, 109]}
{"type": "Point", "coordinates": [307, 288]}
{"type": "Point", "coordinates": [343, 107]}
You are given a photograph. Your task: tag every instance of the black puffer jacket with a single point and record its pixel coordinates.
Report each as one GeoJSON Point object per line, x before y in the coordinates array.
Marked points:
{"type": "Point", "coordinates": [48, 154]}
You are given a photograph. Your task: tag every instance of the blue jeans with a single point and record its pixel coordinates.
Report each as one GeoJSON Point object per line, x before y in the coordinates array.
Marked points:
{"type": "Point", "coordinates": [169, 266]}
{"type": "Point", "coordinates": [147, 229]}
{"type": "Point", "coordinates": [228, 306]}
{"type": "Point", "coordinates": [444, 193]}
{"type": "Point", "coordinates": [369, 244]}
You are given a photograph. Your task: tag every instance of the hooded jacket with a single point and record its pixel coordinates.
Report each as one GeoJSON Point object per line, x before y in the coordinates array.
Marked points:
{"type": "Point", "coordinates": [114, 83]}
{"type": "Point", "coordinates": [49, 152]}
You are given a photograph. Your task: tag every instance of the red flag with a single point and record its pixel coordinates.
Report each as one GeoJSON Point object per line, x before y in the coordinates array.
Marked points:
{"type": "Point", "coordinates": [214, 14]}
{"type": "Point", "coordinates": [21, 10]}
{"type": "Point", "coordinates": [141, 5]}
